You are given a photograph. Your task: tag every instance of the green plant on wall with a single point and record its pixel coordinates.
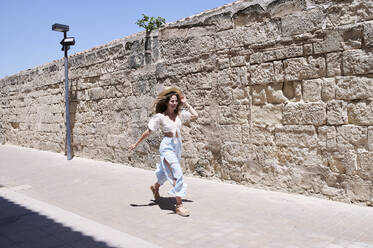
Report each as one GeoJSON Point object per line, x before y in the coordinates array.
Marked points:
{"type": "Point", "coordinates": [150, 23]}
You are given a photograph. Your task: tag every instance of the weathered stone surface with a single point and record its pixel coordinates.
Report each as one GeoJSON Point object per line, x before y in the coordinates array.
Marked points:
{"type": "Point", "coordinates": [259, 95]}
{"type": "Point", "coordinates": [331, 43]}
{"type": "Point", "coordinates": [328, 89]}
{"type": "Point", "coordinates": [221, 21]}
{"type": "Point", "coordinates": [249, 15]}
{"type": "Point", "coordinates": [296, 136]}
{"type": "Point", "coordinates": [336, 112]}
{"type": "Point", "coordinates": [354, 88]}
{"type": "Point", "coordinates": [370, 138]}
{"type": "Point", "coordinates": [327, 137]}
{"type": "Point", "coordinates": [368, 34]}
{"type": "Point", "coordinates": [343, 13]}
{"type": "Point", "coordinates": [356, 62]}
{"type": "Point", "coordinates": [268, 114]}
{"type": "Point", "coordinates": [262, 73]}
{"type": "Point", "coordinates": [304, 114]}
{"type": "Point", "coordinates": [238, 61]}
{"type": "Point", "coordinates": [234, 114]}
{"type": "Point", "coordinates": [360, 113]}
{"type": "Point", "coordinates": [261, 135]}
{"type": "Point", "coordinates": [364, 164]}
{"type": "Point", "coordinates": [230, 133]}
{"type": "Point", "coordinates": [334, 63]}
{"type": "Point", "coordinates": [351, 137]}
{"type": "Point", "coordinates": [275, 94]}
{"type": "Point", "coordinates": [230, 151]}
{"type": "Point", "coordinates": [304, 68]}
{"type": "Point", "coordinates": [312, 90]}
{"type": "Point", "coordinates": [283, 8]}
{"type": "Point", "coordinates": [306, 21]}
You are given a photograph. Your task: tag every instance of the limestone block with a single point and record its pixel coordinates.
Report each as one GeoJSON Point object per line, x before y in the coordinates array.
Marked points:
{"type": "Point", "coordinates": [199, 98]}
{"type": "Point", "coordinates": [222, 63]}
{"type": "Point", "coordinates": [343, 162]}
{"type": "Point", "coordinates": [296, 136]}
{"type": "Point", "coordinates": [247, 35]}
{"type": "Point", "coordinates": [223, 95]}
{"type": "Point", "coordinates": [283, 8]}
{"type": "Point", "coordinates": [278, 71]}
{"type": "Point", "coordinates": [256, 58]}
{"type": "Point", "coordinates": [200, 80]}
{"type": "Point", "coordinates": [370, 139]}
{"type": "Point", "coordinates": [246, 133]}
{"type": "Point", "coordinates": [249, 15]}
{"type": "Point", "coordinates": [351, 137]}
{"type": "Point", "coordinates": [289, 52]}
{"type": "Point", "coordinates": [234, 153]}
{"type": "Point", "coordinates": [304, 68]}
{"type": "Point", "coordinates": [96, 93]}
{"type": "Point", "coordinates": [360, 113]}
{"type": "Point", "coordinates": [362, 190]}
{"type": "Point", "coordinates": [259, 95]}
{"type": "Point", "coordinates": [327, 137]}
{"type": "Point", "coordinates": [356, 11]}
{"type": "Point", "coordinates": [233, 114]}
{"type": "Point", "coordinates": [368, 34]}
{"type": "Point", "coordinates": [302, 22]}
{"type": "Point", "coordinates": [269, 55]}
{"type": "Point", "coordinates": [240, 94]}
{"type": "Point", "coordinates": [275, 94]}
{"type": "Point", "coordinates": [221, 21]}
{"type": "Point", "coordinates": [262, 73]}
{"type": "Point", "coordinates": [238, 61]}
{"type": "Point", "coordinates": [334, 63]}
{"type": "Point", "coordinates": [267, 114]}
{"type": "Point", "coordinates": [293, 91]}
{"type": "Point", "coordinates": [354, 88]}
{"type": "Point", "coordinates": [307, 49]}
{"type": "Point", "coordinates": [304, 114]}
{"type": "Point", "coordinates": [312, 90]}
{"type": "Point", "coordinates": [364, 164]}
{"type": "Point", "coordinates": [336, 112]}
{"type": "Point", "coordinates": [356, 62]}
{"type": "Point", "coordinates": [239, 76]}
{"type": "Point", "coordinates": [230, 133]}
{"type": "Point", "coordinates": [261, 135]}
{"type": "Point", "coordinates": [328, 89]}
{"type": "Point", "coordinates": [331, 43]}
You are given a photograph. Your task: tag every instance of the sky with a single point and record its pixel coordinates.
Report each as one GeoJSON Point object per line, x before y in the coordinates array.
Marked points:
{"type": "Point", "coordinates": [27, 39]}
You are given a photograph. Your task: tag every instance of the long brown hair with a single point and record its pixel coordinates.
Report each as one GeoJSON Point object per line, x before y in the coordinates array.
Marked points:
{"type": "Point", "coordinates": [161, 104]}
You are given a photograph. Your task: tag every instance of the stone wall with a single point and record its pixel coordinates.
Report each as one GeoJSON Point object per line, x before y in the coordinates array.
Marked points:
{"type": "Point", "coordinates": [284, 90]}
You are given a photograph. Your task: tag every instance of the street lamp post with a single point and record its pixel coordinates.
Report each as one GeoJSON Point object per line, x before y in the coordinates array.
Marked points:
{"type": "Point", "coordinates": [66, 42]}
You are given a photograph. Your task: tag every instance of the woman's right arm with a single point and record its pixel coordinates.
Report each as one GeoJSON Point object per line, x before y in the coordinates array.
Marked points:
{"type": "Point", "coordinates": [143, 136]}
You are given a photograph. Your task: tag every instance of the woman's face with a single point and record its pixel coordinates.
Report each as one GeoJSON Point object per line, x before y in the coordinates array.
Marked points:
{"type": "Point", "coordinates": [172, 103]}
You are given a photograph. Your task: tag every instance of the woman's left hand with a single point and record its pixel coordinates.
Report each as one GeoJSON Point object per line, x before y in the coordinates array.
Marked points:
{"type": "Point", "coordinates": [183, 100]}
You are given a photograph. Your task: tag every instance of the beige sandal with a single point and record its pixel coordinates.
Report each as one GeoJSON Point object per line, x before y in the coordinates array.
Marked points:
{"type": "Point", "coordinates": [155, 193]}
{"type": "Point", "coordinates": [182, 211]}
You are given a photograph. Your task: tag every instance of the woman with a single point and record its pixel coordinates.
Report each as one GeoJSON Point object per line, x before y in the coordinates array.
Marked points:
{"type": "Point", "coordinates": [169, 119]}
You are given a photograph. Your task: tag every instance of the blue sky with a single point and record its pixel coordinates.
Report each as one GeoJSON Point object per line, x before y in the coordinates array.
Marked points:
{"type": "Point", "coordinates": [27, 40]}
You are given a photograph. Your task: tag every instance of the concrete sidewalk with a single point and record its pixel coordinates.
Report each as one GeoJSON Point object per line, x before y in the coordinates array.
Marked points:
{"type": "Point", "coordinates": [47, 201]}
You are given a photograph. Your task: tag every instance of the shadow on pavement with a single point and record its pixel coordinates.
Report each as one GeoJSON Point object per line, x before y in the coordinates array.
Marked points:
{"type": "Point", "coordinates": [24, 228]}
{"type": "Point", "coordinates": [164, 203]}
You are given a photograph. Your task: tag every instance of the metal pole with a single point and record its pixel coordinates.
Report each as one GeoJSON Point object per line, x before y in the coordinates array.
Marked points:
{"type": "Point", "coordinates": [67, 103]}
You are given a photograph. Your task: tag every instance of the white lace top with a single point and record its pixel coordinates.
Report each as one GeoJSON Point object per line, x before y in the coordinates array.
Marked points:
{"type": "Point", "coordinates": [167, 125]}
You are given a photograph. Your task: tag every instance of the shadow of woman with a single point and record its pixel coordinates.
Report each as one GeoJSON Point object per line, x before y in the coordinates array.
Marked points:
{"type": "Point", "coordinates": [164, 203]}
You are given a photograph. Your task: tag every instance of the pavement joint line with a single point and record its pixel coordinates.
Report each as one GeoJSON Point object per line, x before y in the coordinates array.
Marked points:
{"type": "Point", "coordinates": [19, 187]}
{"type": "Point", "coordinates": [86, 226]}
